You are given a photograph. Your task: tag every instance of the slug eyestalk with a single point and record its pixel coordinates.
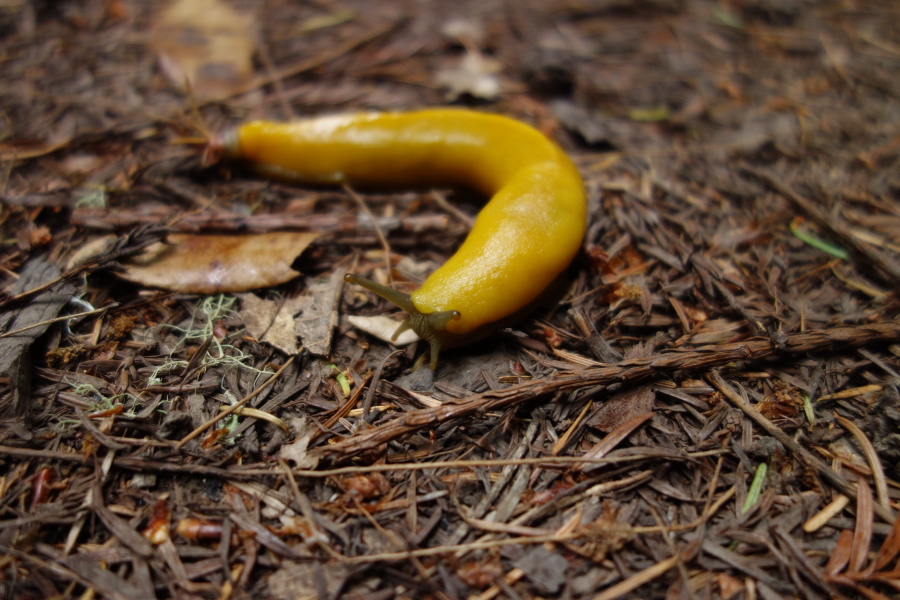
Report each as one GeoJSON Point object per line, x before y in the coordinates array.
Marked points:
{"type": "Point", "coordinates": [431, 327]}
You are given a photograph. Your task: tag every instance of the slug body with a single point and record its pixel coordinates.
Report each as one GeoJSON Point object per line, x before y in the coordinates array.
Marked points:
{"type": "Point", "coordinates": [522, 240]}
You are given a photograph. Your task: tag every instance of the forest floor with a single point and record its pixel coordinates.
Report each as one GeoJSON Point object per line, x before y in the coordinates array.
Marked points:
{"type": "Point", "coordinates": [711, 410]}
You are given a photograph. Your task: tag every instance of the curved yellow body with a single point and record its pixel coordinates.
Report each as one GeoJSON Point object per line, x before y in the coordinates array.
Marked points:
{"type": "Point", "coordinates": [523, 238]}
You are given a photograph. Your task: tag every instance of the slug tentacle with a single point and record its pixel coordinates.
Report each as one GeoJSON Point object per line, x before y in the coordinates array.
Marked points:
{"type": "Point", "coordinates": [404, 325]}
{"type": "Point", "coordinates": [398, 299]}
{"type": "Point", "coordinates": [431, 327]}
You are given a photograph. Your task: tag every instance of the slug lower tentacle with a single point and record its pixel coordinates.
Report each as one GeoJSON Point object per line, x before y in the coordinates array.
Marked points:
{"type": "Point", "coordinates": [522, 240]}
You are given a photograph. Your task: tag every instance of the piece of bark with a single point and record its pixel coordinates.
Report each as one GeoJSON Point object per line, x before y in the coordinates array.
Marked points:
{"type": "Point", "coordinates": [15, 350]}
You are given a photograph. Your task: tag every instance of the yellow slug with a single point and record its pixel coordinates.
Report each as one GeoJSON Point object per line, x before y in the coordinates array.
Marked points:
{"type": "Point", "coordinates": [522, 240]}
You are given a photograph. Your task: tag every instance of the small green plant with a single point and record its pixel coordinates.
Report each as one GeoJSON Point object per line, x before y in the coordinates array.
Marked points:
{"type": "Point", "coordinates": [96, 400]}
{"type": "Point", "coordinates": [755, 487]}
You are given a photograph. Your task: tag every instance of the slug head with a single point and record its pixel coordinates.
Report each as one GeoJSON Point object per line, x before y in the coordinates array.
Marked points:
{"type": "Point", "coordinates": [431, 327]}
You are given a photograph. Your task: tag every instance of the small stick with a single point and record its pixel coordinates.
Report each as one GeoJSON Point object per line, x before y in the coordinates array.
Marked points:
{"type": "Point", "coordinates": [96, 311]}
{"type": "Point", "coordinates": [378, 232]}
{"type": "Point", "coordinates": [235, 406]}
{"type": "Point", "coordinates": [630, 370]}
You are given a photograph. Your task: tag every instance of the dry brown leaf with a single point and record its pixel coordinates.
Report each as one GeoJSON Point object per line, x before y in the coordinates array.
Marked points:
{"type": "Point", "coordinates": [630, 402]}
{"type": "Point", "coordinates": [205, 43]}
{"type": "Point", "coordinates": [272, 322]}
{"type": "Point", "coordinates": [209, 264]}
{"type": "Point", "coordinates": [89, 250]}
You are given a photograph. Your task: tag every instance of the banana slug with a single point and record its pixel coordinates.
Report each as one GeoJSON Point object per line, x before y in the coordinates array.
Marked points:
{"type": "Point", "coordinates": [522, 240]}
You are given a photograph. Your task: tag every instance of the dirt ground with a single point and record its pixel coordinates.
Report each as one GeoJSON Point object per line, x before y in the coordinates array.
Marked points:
{"type": "Point", "coordinates": [709, 410]}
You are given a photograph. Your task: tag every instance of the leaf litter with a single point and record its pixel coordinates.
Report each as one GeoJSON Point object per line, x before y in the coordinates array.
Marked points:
{"type": "Point", "coordinates": [711, 410]}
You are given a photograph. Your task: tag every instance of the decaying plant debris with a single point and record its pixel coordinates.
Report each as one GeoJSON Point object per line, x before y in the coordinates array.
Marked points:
{"type": "Point", "coordinates": [711, 411]}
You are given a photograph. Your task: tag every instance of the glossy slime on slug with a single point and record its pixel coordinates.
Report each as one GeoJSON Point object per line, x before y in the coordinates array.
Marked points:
{"type": "Point", "coordinates": [522, 240]}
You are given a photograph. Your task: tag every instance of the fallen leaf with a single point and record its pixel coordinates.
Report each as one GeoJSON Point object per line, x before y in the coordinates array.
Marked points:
{"type": "Point", "coordinates": [210, 264]}
{"type": "Point", "coordinates": [365, 486]}
{"type": "Point", "coordinates": [205, 44]}
{"type": "Point", "coordinates": [623, 406]}
{"type": "Point", "coordinates": [270, 321]}
{"type": "Point", "coordinates": [383, 327]}
{"type": "Point", "coordinates": [612, 439]}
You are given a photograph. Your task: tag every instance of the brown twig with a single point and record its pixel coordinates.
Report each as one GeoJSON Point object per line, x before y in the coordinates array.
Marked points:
{"type": "Point", "coordinates": [104, 219]}
{"type": "Point", "coordinates": [241, 473]}
{"type": "Point", "coordinates": [380, 234]}
{"type": "Point", "coordinates": [96, 311]}
{"type": "Point", "coordinates": [460, 216]}
{"type": "Point", "coordinates": [627, 371]}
